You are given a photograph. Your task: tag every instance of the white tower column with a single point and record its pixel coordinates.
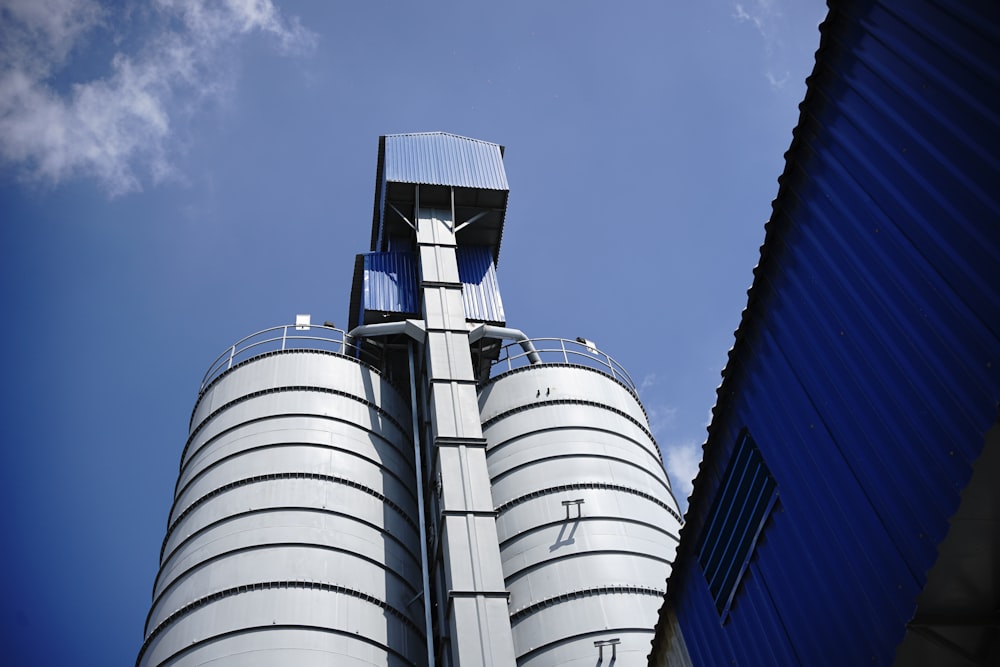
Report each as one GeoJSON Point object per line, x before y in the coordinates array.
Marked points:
{"type": "Point", "coordinates": [470, 577]}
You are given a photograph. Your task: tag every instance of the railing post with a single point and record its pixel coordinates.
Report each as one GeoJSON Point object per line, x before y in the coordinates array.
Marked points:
{"type": "Point", "coordinates": [284, 334]}
{"type": "Point", "coordinates": [562, 344]}
{"type": "Point", "coordinates": [232, 353]}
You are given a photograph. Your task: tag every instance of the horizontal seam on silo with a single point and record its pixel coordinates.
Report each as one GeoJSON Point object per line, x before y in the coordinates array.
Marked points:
{"type": "Point", "coordinates": [625, 589]}
{"type": "Point", "coordinates": [284, 415]}
{"type": "Point", "coordinates": [575, 637]}
{"type": "Point", "coordinates": [271, 545]}
{"type": "Point", "coordinates": [286, 626]}
{"type": "Point", "coordinates": [574, 455]}
{"type": "Point", "coordinates": [280, 390]}
{"type": "Point", "coordinates": [269, 585]}
{"type": "Point", "coordinates": [572, 401]}
{"type": "Point", "coordinates": [383, 469]}
{"type": "Point", "coordinates": [496, 446]}
{"type": "Point", "coordinates": [503, 507]}
{"type": "Point", "coordinates": [260, 419]}
{"type": "Point", "coordinates": [560, 364]}
{"type": "Point", "coordinates": [562, 521]}
{"type": "Point", "coordinates": [289, 475]}
{"type": "Point", "coordinates": [273, 353]}
{"type": "Point", "coordinates": [527, 569]}
{"type": "Point", "coordinates": [286, 508]}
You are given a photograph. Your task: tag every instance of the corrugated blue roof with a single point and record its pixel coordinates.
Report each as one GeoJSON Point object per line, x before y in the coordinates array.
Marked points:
{"type": "Point", "coordinates": [867, 363]}
{"type": "Point", "coordinates": [439, 158]}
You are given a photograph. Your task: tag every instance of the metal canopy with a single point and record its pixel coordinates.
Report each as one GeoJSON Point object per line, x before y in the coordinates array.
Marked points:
{"type": "Point", "coordinates": [441, 165]}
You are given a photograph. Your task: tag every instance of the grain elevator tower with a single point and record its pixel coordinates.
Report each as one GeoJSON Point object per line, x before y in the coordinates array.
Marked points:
{"type": "Point", "coordinates": [428, 487]}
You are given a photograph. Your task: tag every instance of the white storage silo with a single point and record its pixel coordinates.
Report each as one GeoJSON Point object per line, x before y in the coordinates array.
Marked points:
{"type": "Point", "coordinates": [293, 538]}
{"type": "Point", "coordinates": [586, 519]}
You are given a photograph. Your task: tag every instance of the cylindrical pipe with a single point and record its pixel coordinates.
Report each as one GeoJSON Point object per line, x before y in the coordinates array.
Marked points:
{"type": "Point", "coordinates": [490, 331]}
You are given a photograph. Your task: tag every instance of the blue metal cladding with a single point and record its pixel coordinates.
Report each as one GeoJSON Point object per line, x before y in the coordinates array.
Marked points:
{"type": "Point", "coordinates": [480, 291]}
{"type": "Point", "coordinates": [867, 362]}
{"type": "Point", "coordinates": [390, 282]}
{"type": "Point", "coordinates": [438, 158]}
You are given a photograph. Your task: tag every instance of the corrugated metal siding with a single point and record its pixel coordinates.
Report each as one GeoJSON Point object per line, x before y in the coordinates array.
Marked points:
{"type": "Point", "coordinates": [438, 158]}
{"type": "Point", "coordinates": [390, 282]}
{"type": "Point", "coordinates": [867, 364]}
{"type": "Point", "coordinates": [480, 290]}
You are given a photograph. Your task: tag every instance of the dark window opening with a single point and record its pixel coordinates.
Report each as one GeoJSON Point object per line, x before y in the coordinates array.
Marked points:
{"type": "Point", "coordinates": [741, 508]}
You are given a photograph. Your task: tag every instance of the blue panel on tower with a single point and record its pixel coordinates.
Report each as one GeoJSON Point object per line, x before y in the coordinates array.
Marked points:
{"type": "Point", "coordinates": [479, 284]}
{"type": "Point", "coordinates": [390, 283]}
{"type": "Point", "coordinates": [438, 158]}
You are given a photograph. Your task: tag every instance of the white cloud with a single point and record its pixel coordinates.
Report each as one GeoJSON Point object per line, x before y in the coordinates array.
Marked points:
{"type": "Point", "coordinates": [769, 21]}
{"type": "Point", "coordinates": [661, 417]}
{"type": "Point", "coordinates": [681, 460]}
{"type": "Point", "coordinates": [757, 14]}
{"type": "Point", "coordinates": [777, 82]}
{"type": "Point", "coordinates": [765, 16]}
{"type": "Point", "coordinates": [117, 128]}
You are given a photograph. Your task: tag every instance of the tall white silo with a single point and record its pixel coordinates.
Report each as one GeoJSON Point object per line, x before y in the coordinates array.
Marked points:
{"type": "Point", "coordinates": [586, 518]}
{"type": "Point", "coordinates": [293, 537]}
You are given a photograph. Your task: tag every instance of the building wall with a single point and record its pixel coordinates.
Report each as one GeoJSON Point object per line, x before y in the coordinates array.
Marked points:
{"type": "Point", "coordinates": [867, 365]}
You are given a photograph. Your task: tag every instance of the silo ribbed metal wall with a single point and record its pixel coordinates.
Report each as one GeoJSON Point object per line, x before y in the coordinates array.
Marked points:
{"type": "Point", "coordinates": [438, 158]}
{"type": "Point", "coordinates": [867, 364]}
{"type": "Point", "coordinates": [577, 572]}
{"type": "Point", "coordinates": [293, 537]}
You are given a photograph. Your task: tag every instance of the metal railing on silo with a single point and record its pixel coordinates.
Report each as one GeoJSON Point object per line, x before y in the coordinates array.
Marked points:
{"type": "Point", "coordinates": [321, 338]}
{"type": "Point", "coordinates": [562, 351]}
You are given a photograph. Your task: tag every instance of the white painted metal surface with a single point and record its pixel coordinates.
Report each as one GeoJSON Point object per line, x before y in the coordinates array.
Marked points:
{"type": "Point", "coordinates": [586, 519]}
{"type": "Point", "coordinates": [293, 537]}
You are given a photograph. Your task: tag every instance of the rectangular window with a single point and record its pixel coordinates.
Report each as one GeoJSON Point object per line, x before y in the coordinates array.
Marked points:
{"type": "Point", "coordinates": [741, 508]}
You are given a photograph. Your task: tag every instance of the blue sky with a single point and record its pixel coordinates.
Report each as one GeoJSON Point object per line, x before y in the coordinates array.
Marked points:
{"type": "Point", "coordinates": [177, 174]}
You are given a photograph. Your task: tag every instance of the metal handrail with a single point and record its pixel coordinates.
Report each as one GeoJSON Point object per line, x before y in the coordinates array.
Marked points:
{"type": "Point", "coordinates": [274, 339]}
{"type": "Point", "coordinates": [562, 351]}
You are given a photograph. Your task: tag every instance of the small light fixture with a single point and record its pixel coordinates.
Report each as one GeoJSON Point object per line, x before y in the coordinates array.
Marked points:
{"type": "Point", "coordinates": [303, 322]}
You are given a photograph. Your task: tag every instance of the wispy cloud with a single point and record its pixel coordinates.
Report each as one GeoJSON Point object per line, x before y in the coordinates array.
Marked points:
{"type": "Point", "coordinates": [769, 21]}
{"type": "Point", "coordinates": [681, 460]}
{"type": "Point", "coordinates": [756, 13]}
{"type": "Point", "coordinates": [661, 418]}
{"type": "Point", "coordinates": [118, 128]}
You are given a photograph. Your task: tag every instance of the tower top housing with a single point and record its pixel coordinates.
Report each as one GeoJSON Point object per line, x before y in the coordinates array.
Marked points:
{"type": "Point", "coordinates": [428, 169]}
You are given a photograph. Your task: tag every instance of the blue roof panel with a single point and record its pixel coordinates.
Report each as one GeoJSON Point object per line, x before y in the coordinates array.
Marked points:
{"type": "Point", "coordinates": [439, 158]}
